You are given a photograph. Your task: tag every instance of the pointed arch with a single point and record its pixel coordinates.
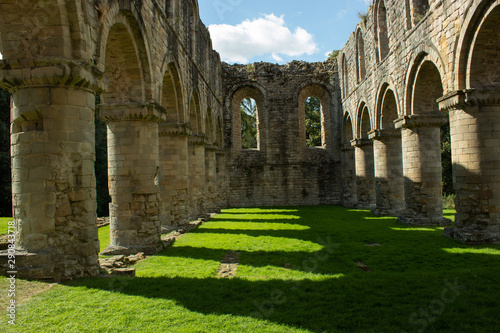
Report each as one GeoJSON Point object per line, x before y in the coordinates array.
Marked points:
{"type": "Point", "coordinates": [172, 98]}
{"type": "Point", "coordinates": [381, 32]}
{"type": "Point", "coordinates": [360, 56]}
{"type": "Point", "coordinates": [195, 113]}
{"type": "Point", "coordinates": [209, 126]}
{"type": "Point", "coordinates": [423, 53]}
{"type": "Point", "coordinates": [124, 58]}
{"type": "Point", "coordinates": [347, 130]}
{"type": "Point", "coordinates": [387, 107]}
{"type": "Point", "coordinates": [478, 59]}
{"type": "Point", "coordinates": [345, 76]}
{"type": "Point", "coordinates": [364, 121]}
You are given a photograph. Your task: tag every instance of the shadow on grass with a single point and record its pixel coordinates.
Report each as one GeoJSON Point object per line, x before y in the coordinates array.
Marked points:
{"type": "Point", "coordinates": [415, 280]}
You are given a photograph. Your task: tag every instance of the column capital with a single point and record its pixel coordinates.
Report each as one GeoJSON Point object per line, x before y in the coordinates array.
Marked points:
{"type": "Point", "coordinates": [211, 147]}
{"type": "Point", "coordinates": [421, 120]}
{"type": "Point", "coordinates": [169, 129]}
{"type": "Point", "coordinates": [131, 112]}
{"type": "Point", "coordinates": [361, 142]}
{"type": "Point", "coordinates": [380, 134]}
{"type": "Point", "coordinates": [52, 72]}
{"type": "Point", "coordinates": [347, 147]}
{"type": "Point", "coordinates": [197, 140]}
{"type": "Point", "coordinates": [461, 99]}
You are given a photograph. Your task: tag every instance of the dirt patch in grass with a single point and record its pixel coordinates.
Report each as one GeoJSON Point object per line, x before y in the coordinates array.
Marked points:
{"type": "Point", "coordinates": [24, 290]}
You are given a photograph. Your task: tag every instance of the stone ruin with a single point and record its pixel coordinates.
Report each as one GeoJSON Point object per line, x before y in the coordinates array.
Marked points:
{"type": "Point", "coordinates": [172, 110]}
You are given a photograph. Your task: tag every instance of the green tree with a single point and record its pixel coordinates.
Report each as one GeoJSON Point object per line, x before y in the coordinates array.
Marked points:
{"type": "Point", "coordinates": [101, 166]}
{"type": "Point", "coordinates": [248, 109]}
{"type": "Point", "coordinates": [313, 122]}
{"type": "Point", "coordinates": [5, 173]}
{"type": "Point", "coordinates": [446, 160]}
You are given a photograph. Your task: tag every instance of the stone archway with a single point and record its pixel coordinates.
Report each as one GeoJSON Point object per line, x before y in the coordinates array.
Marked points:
{"type": "Point", "coordinates": [389, 185]}
{"type": "Point", "coordinates": [421, 144]}
{"type": "Point", "coordinates": [474, 136]}
{"type": "Point", "coordinates": [364, 160]}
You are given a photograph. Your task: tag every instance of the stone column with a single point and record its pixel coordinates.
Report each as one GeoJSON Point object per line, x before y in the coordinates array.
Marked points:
{"type": "Point", "coordinates": [173, 180]}
{"type": "Point", "coordinates": [365, 174]}
{"type": "Point", "coordinates": [210, 179]}
{"type": "Point", "coordinates": [133, 167]}
{"type": "Point", "coordinates": [53, 182]}
{"type": "Point", "coordinates": [421, 145]}
{"type": "Point", "coordinates": [221, 178]}
{"type": "Point", "coordinates": [349, 195]}
{"type": "Point", "coordinates": [196, 176]}
{"type": "Point", "coordinates": [475, 140]}
{"type": "Point", "coordinates": [389, 184]}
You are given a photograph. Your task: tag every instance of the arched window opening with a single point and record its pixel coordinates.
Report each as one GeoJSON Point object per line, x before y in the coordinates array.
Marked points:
{"type": "Point", "coordinates": [360, 57]}
{"type": "Point", "coordinates": [427, 89]}
{"type": "Point", "coordinates": [365, 123]}
{"type": "Point", "coordinates": [348, 134]}
{"type": "Point", "coordinates": [248, 111]}
{"type": "Point", "coordinates": [382, 31]}
{"type": "Point", "coordinates": [389, 111]}
{"type": "Point", "coordinates": [484, 67]}
{"type": "Point", "coordinates": [194, 114]}
{"type": "Point", "coordinates": [345, 77]}
{"type": "Point", "coordinates": [314, 132]}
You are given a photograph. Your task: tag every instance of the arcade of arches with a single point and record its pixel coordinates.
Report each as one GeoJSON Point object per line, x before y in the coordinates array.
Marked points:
{"type": "Point", "coordinates": [172, 111]}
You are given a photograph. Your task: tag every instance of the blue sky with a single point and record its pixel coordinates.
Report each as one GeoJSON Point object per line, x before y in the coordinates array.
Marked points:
{"type": "Point", "coordinates": [247, 31]}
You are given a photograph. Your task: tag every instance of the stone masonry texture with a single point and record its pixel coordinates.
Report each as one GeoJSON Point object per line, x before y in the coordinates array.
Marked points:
{"type": "Point", "coordinates": [172, 109]}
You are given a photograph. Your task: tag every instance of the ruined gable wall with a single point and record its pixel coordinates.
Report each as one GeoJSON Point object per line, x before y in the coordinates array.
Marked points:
{"type": "Point", "coordinates": [283, 171]}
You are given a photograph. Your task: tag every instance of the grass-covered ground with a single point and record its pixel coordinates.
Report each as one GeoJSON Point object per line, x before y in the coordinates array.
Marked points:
{"type": "Point", "coordinates": [4, 221]}
{"type": "Point", "coordinates": [299, 272]}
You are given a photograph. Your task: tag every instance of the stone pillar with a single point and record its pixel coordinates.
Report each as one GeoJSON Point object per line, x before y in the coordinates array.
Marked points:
{"type": "Point", "coordinates": [365, 174]}
{"type": "Point", "coordinates": [221, 179]}
{"type": "Point", "coordinates": [389, 181]}
{"type": "Point", "coordinates": [421, 146]}
{"type": "Point", "coordinates": [210, 179]}
{"type": "Point", "coordinates": [475, 141]}
{"type": "Point", "coordinates": [173, 180]}
{"type": "Point", "coordinates": [196, 176]}
{"type": "Point", "coordinates": [349, 195]}
{"type": "Point", "coordinates": [53, 182]}
{"type": "Point", "coordinates": [133, 167]}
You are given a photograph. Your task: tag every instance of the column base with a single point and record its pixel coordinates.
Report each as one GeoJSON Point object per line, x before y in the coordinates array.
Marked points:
{"type": "Point", "coordinates": [424, 221]}
{"type": "Point", "coordinates": [386, 212]}
{"type": "Point", "coordinates": [365, 206]}
{"type": "Point", "coordinates": [42, 266]}
{"type": "Point", "coordinates": [473, 236]}
{"type": "Point", "coordinates": [150, 249]}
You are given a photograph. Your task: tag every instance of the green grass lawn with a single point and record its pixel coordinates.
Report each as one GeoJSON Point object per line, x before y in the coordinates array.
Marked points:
{"type": "Point", "coordinates": [4, 224]}
{"type": "Point", "coordinates": [104, 236]}
{"type": "Point", "coordinates": [298, 272]}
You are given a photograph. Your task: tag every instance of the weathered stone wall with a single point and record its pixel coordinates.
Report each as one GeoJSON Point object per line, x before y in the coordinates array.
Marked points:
{"type": "Point", "coordinates": [404, 56]}
{"type": "Point", "coordinates": [282, 170]}
{"type": "Point", "coordinates": [153, 65]}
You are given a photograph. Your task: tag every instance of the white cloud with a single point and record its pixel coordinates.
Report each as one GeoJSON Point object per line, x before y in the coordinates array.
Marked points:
{"type": "Point", "coordinates": [267, 35]}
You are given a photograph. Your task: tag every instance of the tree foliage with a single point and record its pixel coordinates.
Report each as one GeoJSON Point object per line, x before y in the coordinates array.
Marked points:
{"type": "Point", "coordinates": [101, 166]}
{"type": "Point", "coordinates": [5, 173]}
{"type": "Point", "coordinates": [446, 160]}
{"type": "Point", "coordinates": [248, 110]}
{"type": "Point", "coordinates": [313, 122]}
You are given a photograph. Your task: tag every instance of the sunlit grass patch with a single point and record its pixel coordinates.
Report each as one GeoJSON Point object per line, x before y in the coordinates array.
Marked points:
{"type": "Point", "coordinates": [4, 225]}
{"type": "Point", "coordinates": [104, 237]}
{"type": "Point", "coordinates": [415, 229]}
{"type": "Point", "coordinates": [254, 226]}
{"type": "Point", "coordinates": [327, 270]}
{"type": "Point", "coordinates": [486, 250]}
